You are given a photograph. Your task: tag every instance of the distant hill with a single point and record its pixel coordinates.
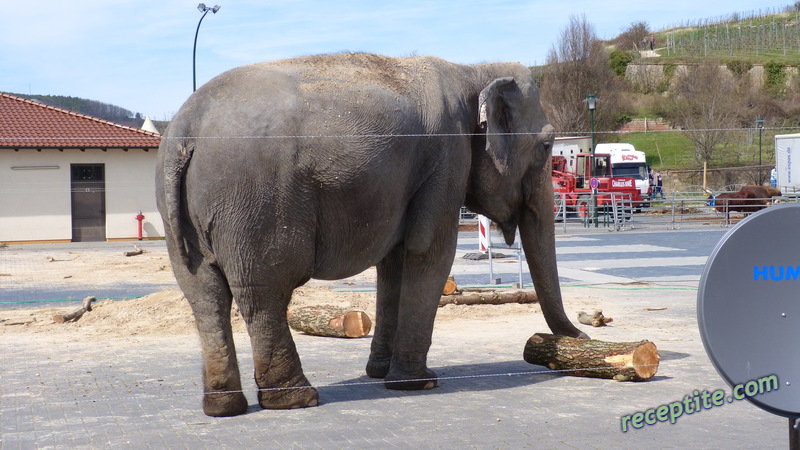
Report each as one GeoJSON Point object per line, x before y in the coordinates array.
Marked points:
{"type": "Point", "coordinates": [93, 108]}
{"type": "Point", "coordinates": [756, 37]}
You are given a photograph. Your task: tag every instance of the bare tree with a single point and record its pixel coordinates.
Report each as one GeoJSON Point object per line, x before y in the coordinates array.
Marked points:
{"type": "Point", "coordinates": [632, 37]}
{"type": "Point", "coordinates": [704, 105]}
{"type": "Point", "coordinates": [577, 65]}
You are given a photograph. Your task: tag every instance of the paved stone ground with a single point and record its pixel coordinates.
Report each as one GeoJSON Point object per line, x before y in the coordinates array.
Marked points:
{"type": "Point", "coordinates": [144, 392]}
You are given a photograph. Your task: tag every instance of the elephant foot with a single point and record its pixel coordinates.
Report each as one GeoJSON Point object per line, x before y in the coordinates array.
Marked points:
{"type": "Point", "coordinates": [288, 398]}
{"type": "Point", "coordinates": [424, 380]}
{"type": "Point", "coordinates": [224, 404]}
{"type": "Point", "coordinates": [571, 331]}
{"type": "Point", "coordinates": [578, 334]}
{"type": "Point", "coordinates": [377, 368]}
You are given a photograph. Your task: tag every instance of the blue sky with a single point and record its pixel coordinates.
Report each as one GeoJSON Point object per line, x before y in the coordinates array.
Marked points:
{"type": "Point", "coordinates": [137, 54]}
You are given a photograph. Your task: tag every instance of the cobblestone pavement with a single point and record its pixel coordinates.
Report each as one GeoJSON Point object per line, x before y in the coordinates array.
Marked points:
{"type": "Point", "coordinates": [144, 392]}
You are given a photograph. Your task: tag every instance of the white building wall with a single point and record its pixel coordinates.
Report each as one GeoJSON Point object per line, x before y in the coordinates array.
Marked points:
{"type": "Point", "coordinates": [35, 202]}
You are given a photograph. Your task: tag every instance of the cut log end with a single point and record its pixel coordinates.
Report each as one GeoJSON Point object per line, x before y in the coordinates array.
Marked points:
{"type": "Point", "coordinates": [450, 286]}
{"type": "Point", "coordinates": [356, 324]}
{"type": "Point", "coordinates": [645, 360]}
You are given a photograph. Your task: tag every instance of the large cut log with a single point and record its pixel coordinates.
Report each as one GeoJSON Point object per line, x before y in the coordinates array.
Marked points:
{"type": "Point", "coordinates": [489, 298]}
{"type": "Point", "coordinates": [77, 314]}
{"type": "Point", "coordinates": [329, 321]}
{"type": "Point", "coordinates": [622, 361]}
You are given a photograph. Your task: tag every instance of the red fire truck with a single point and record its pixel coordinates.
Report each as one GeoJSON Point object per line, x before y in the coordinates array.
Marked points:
{"type": "Point", "coordinates": [574, 181]}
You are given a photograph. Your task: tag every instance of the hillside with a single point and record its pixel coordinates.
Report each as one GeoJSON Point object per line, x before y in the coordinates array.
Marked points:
{"type": "Point", "coordinates": [756, 37]}
{"type": "Point", "coordinates": [756, 55]}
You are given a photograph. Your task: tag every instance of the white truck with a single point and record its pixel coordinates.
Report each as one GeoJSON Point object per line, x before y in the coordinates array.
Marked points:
{"type": "Point", "coordinates": [787, 163]}
{"type": "Point", "coordinates": [628, 162]}
{"type": "Point", "coordinates": [570, 147]}
{"type": "Point", "coordinates": [578, 176]}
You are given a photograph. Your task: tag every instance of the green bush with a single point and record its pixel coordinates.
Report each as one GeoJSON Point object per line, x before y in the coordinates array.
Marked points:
{"type": "Point", "coordinates": [619, 60]}
{"type": "Point", "coordinates": [739, 67]}
{"type": "Point", "coordinates": [666, 81]}
{"type": "Point", "coordinates": [775, 79]}
{"type": "Point", "coordinates": [621, 119]}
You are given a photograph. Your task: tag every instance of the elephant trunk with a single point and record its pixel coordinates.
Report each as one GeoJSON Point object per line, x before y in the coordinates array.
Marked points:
{"type": "Point", "coordinates": [538, 242]}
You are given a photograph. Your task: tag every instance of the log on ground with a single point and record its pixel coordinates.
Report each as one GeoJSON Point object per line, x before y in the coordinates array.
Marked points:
{"type": "Point", "coordinates": [489, 298]}
{"type": "Point", "coordinates": [136, 251]}
{"type": "Point", "coordinates": [622, 361]}
{"type": "Point", "coordinates": [77, 314]}
{"type": "Point", "coordinates": [595, 319]}
{"type": "Point", "coordinates": [329, 321]}
{"type": "Point", "coordinates": [450, 286]}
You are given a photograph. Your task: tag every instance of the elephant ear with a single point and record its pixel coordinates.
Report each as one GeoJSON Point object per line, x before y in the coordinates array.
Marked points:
{"type": "Point", "coordinates": [499, 103]}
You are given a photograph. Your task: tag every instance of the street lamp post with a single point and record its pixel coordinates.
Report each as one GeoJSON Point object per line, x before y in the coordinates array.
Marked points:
{"type": "Point", "coordinates": [203, 9]}
{"type": "Point", "coordinates": [760, 126]}
{"type": "Point", "coordinates": [591, 103]}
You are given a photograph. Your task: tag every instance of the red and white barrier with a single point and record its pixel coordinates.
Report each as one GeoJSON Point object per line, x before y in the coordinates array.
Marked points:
{"type": "Point", "coordinates": [484, 233]}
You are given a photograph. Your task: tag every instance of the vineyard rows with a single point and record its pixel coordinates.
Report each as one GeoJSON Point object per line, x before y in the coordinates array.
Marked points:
{"type": "Point", "coordinates": [760, 36]}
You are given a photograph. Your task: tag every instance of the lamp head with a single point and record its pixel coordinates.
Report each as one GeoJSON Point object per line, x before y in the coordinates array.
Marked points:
{"type": "Point", "coordinates": [591, 102]}
{"type": "Point", "coordinates": [203, 8]}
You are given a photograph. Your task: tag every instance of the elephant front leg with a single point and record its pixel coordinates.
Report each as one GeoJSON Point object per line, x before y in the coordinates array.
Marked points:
{"type": "Point", "coordinates": [278, 372]}
{"type": "Point", "coordinates": [424, 275]}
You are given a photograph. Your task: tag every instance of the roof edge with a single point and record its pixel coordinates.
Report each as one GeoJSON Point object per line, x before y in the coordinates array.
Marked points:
{"type": "Point", "coordinates": [83, 116]}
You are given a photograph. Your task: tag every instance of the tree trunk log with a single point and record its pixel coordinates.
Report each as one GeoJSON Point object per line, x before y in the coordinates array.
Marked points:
{"type": "Point", "coordinates": [622, 361]}
{"type": "Point", "coordinates": [75, 315]}
{"type": "Point", "coordinates": [596, 319]}
{"type": "Point", "coordinates": [450, 286]}
{"type": "Point", "coordinates": [136, 251]}
{"type": "Point", "coordinates": [489, 298]}
{"type": "Point", "coordinates": [329, 321]}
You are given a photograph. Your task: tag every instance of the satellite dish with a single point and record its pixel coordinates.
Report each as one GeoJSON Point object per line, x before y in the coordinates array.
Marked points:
{"type": "Point", "coordinates": [748, 307]}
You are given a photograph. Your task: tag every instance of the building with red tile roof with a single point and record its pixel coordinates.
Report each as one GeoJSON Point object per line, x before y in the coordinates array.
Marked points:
{"type": "Point", "coordinates": [66, 176]}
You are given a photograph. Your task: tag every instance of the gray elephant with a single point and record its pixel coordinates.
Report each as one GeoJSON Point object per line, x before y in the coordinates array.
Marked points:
{"type": "Point", "coordinates": [321, 167]}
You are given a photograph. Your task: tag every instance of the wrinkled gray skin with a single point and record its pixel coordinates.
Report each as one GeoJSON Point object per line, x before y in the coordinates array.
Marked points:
{"type": "Point", "coordinates": [320, 167]}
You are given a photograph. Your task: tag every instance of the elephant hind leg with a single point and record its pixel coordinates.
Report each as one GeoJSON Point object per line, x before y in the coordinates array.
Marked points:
{"type": "Point", "coordinates": [278, 372]}
{"type": "Point", "coordinates": [390, 271]}
{"type": "Point", "coordinates": [210, 298]}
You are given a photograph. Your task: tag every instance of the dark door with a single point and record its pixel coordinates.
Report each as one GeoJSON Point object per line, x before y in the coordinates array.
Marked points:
{"type": "Point", "coordinates": [88, 202]}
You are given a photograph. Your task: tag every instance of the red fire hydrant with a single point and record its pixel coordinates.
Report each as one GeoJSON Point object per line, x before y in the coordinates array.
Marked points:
{"type": "Point", "coordinates": [140, 218]}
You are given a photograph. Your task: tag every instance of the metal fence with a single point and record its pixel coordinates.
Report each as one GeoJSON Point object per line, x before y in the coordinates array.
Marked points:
{"type": "Point", "coordinates": [680, 210]}
{"type": "Point", "coordinates": [673, 212]}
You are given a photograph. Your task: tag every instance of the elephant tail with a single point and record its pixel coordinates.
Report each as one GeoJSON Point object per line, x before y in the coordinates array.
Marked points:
{"type": "Point", "coordinates": [175, 163]}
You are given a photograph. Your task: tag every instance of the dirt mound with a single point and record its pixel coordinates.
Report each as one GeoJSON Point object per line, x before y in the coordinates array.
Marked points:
{"type": "Point", "coordinates": [162, 313]}
{"type": "Point", "coordinates": [168, 313]}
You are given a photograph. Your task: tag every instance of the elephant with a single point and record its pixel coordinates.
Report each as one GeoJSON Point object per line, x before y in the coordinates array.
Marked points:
{"type": "Point", "coordinates": [275, 173]}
